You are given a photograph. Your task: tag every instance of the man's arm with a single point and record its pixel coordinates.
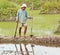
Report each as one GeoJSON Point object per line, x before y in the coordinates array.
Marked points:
{"type": "Point", "coordinates": [28, 17]}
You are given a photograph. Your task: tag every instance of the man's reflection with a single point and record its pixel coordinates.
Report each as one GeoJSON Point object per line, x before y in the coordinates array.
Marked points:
{"type": "Point", "coordinates": [26, 49]}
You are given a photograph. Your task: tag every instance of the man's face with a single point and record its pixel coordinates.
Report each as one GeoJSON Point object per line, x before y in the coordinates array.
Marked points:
{"type": "Point", "coordinates": [23, 8]}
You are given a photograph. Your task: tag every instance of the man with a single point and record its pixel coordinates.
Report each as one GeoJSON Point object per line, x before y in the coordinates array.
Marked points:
{"type": "Point", "coordinates": [22, 17]}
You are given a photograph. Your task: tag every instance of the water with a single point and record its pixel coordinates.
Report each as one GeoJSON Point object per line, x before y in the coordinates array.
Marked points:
{"type": "Point", "coordinates": [10, 32]}
{"type": "Point", "coordinates": [9, 49]}
{"type": "Point", "coordinates": [42, 25]}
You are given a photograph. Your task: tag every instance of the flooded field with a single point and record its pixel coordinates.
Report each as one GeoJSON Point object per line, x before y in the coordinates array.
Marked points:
{"type": "Point", "coordinates": [29, 49]}
{"type": "Point", "coordinates": [43, 25]}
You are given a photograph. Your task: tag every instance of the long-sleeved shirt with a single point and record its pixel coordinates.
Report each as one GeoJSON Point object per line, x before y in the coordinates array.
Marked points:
{"type": "Point", "coordinates": [22, 16]}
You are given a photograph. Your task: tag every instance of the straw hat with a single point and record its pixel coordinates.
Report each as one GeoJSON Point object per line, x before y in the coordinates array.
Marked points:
{"type": "Point", "coordinates": [24, 5]}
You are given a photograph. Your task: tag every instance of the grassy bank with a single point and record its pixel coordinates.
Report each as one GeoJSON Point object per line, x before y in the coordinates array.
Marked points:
{"type": "Point", "coordinates": [42, 25]}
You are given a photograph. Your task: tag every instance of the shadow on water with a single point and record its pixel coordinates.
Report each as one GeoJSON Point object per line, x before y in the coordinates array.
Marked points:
{"type": "Point", "coordinates": [28, 49]}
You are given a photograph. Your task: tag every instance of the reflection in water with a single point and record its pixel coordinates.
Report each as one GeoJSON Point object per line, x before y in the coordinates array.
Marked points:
{"type": "Point", "coordinates": [32, 48]}
{"type": "Point", "coordinates": [24, 49]}
{"type": "Point", "coordinates": [21, 50]}
{"type": "Point", "coordinates": [16, 49]}
{"type": "Point", "coordinates": [27, 53]}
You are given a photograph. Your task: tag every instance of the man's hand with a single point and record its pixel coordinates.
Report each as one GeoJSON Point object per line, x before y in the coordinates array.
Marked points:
{"type": "Point", "coordinates": [31, 17]}
{"type": "Point", "coordinates": [16, 21]}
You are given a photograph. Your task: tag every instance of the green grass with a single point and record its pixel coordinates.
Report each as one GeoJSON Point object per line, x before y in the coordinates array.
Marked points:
{"type": "Point", "coordinates": [42, 25]}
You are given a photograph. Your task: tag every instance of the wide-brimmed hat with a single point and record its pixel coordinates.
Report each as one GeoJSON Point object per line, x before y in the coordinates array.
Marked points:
{"type": "Point", "coordinates": [24, 5]}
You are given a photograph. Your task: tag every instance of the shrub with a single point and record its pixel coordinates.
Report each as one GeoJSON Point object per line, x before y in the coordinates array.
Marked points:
{"type": "Point", "coordinates": [50, 7]}
{"type": "Point", "coordinates": [8, 9]}
{"type": "Point", "coordinates": [8, 12]}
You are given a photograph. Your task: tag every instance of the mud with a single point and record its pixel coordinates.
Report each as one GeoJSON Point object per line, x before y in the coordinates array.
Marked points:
{"type": "Point", "coordinates": [41, 40]}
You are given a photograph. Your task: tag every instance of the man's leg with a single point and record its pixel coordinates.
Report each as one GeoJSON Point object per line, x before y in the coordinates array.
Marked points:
{"type": "Point", "coordinates": [25, 29]}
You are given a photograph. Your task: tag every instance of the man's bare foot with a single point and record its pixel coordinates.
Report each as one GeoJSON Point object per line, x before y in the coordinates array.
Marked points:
{"type": "Point", "coordinates": [24, 36]}
{"type": "Point", "coordinates": [19, 36]}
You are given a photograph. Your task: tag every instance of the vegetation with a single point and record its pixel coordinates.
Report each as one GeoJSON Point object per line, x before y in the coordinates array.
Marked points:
{"type": "Point", "coordinates": [45, 6]}
{"type": "Point", "coordinates": [42, 25]}
{"type": "Point", "coordinates": [8, 8]}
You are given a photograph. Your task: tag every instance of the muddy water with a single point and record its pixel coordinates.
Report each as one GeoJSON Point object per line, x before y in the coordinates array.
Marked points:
{"type": "Point", "coordinates": [9, 49]}
{"type": "Point", "coordinates": [10, 32]}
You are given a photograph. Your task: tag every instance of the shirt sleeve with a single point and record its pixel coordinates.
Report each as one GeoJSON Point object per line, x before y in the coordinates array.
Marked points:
{"type": "Point", "coordinates": [28, 17]}
{"type": "Point", "coordinates": [17, 15]}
